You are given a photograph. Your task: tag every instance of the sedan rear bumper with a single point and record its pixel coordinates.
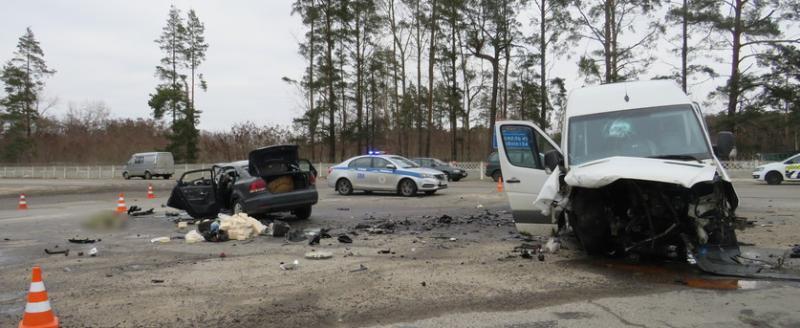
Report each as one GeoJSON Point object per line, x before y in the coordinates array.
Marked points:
{"type": "Point", "coordinates": [268, 202]}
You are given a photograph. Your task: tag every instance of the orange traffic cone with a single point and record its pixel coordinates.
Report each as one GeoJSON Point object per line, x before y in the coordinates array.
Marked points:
{"type": "Point", "coordinates": [150, 193]}
{"type": "Point", "coordinates": [121, 208]}
{"type": "Point", "coordinates": [38, 313]}
{"type": "Point", "coordinates": [500, 184]}
{"type": "Point", "coordinates": [23, 204]}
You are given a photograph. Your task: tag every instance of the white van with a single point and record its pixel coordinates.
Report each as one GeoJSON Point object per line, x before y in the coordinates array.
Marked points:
{"type": "Point", "coordinates": [635, 172]}
{"type": "Point", "coordinates": [149, 165]}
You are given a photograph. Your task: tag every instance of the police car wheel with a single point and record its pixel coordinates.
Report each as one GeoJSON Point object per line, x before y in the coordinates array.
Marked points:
{"type": "Point", "coordinates": [344, 187]}
{"type": "Point", "coordinates": [773, 178]}
{"type": "Point", "coordinates": [408, 188]}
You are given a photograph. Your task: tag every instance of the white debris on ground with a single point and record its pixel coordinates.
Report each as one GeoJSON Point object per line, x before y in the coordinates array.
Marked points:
{"type": "Point", "coordinates": [241, 226]}
{"type": "Point", "coordinates": [194, 237]}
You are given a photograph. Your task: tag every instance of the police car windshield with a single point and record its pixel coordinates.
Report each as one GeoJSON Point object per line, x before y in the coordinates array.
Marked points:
{"type": "Point", "coordinates": [404, 163]}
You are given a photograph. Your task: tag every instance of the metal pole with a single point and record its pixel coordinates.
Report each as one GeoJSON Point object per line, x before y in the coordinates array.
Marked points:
{"type": "Point", "coordinates": [481, 170]}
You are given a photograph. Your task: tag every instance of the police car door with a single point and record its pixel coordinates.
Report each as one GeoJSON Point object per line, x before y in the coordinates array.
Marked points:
{"type": "Point", "coordinates": [382, 177]}
{"type": "Point", "coordinates": [792, 168]}
{"type": "Point", "coordinates": [521, 146]}
{"type": "Point", "coordinates": [360, 173]}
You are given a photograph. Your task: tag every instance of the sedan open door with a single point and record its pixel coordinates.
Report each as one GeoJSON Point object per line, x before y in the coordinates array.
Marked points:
{"type": "Point", "coordinates": [521, 147]}
{"type": "Point", "coordinates": [196, 193]}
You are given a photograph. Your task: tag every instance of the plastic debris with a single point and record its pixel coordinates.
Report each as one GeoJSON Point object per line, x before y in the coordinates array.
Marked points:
{"type": "Point", "coordinates": [160, 240]}
{"type": "Point", "coordinates": [552, 245]}
{"type": "Point", "coordinates": [49, 252]}
{"type": "Point", "coordinates": [361, 267]}
{"type": "Point", "coordinates": [290, 266]}
{"type": "Point", "coordinates": [345, 239]}
{"type": "Point", "coordinates": [318, 255]}
{"type": "Point", "coordinates": [81, 241]}
{"type": "Point", "coordinates": [194, 237]}
{"type": "Point", "coordinates": [93, 251]}
{"type": "Point", "coordinates": [183, 224]}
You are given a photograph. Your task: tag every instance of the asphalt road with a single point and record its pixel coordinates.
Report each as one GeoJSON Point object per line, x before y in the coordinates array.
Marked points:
{"type": "Point", "coordinates": [426, 280]}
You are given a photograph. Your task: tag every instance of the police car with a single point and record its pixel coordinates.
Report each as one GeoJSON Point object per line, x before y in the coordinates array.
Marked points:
{"type": "Point", "coordinates": [775, 173]}
{"type": "Point", "coordinates": [379, 172]}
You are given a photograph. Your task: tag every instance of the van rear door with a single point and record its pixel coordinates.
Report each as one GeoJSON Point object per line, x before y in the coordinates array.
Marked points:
{"type": "Point", "coordinates": [521, 146]}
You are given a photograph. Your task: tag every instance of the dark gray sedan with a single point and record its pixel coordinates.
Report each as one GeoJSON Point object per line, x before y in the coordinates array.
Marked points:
{"type": "Point", "coordinates": [272, 180]}
{"type": "Point", "coordinates": [453, 173]}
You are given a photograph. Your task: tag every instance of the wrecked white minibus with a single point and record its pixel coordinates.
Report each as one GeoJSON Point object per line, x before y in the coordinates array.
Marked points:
{"type": "Point", "coordinates": [635, 172]}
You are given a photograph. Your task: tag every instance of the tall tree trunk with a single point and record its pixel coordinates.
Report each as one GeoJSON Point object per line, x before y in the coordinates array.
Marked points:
{"type": "Point", "coordinates": [431, 60]}
{"type": "Point", "coordinates": [345, 137]}
{"type": "Point", "coordinates": [493, 102]}
{"type": "Point", "coordinates": [359, 83]}
{"type": "Point", "coordinates": [543, 65]}
{"type": "Point", "coordinates": [312, 117]}
{"type": "Point", "coordinates": [685, 44]}
{"type": "Point", "coordinates": [419, 79]}
{"type": "Point", "coordinates": [733, 83]}
{"type": "Point", "coordinates": [331, 92]}
{"type": "Point", "coordinates": [454, 89]}
{"type": "Point", "coordinates": [608, 7]}
{"type": "Point", "coordinates": [398, 126]}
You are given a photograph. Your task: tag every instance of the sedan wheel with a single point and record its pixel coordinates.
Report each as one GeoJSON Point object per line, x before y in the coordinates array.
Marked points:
{"type": "Point", "coordinates": [344, 187]}
{"type": "Point", "coordinates": [774, 178]}
{"type": "Point", "coordinates": [238, 207]}
{"type": "Point", "coordinates": [408, 188]}
{"type": "Point", "coordinates": [126, 176]}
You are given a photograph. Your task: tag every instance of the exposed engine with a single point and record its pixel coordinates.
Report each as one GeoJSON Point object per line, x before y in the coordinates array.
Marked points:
{"type": "Point", "coordinates": [653, 217]}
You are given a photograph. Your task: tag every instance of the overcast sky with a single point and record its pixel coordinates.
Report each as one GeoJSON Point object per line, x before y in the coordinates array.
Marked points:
{"type": "Point", "coordinates": [103, 50]}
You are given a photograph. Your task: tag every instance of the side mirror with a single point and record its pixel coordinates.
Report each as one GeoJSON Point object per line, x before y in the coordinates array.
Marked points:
{"type": "Point", "coordinates": [391, 166]}
{"type": "Point", "coordinates": [725, 144]}
{"type": "Point", "coordinates": [553, 159]}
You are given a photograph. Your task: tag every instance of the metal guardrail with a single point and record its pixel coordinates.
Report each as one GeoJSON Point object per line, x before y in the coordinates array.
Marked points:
{"type": "Point", "coordinates": [475, 170]}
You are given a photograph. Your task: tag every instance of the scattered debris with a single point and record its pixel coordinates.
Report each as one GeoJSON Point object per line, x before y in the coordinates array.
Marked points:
{"type": "Point", "coordinates": [361, 267]}
{"type": "Point", "coordinates": [160, 240]}
{"type": "Point", "coordinates": [279, 228]}
{"type": "Point", "coordinates": [173, 214]}
{"type": "Point", "coordinates": [343, 209]}
{"type": "Point", "coordinates": [345, 239]}
{"type": "Point", "coordinates": [81, 241]}
{"type": "Point", "coordinates": [541, 257]}
{"type": "Point", "coordinates": [133, 208]}
{"type": "Point", "coordinates": [222, 255]}
{"type": "Point", "coordinates": [157, 281]}
{"type": "Point", "coordinates": [183, 224]}
{"type": "Point", "coordinates": [93, 252]}
{"type": "Point", "coordinates": [67, 269]}
{"type": "Point", "coordinates": [290, 266]}
{"type": "Point", "coordinates": [445, 219]}
{"type": "Point", "coordinates": [552, 245]}
{"type": "Point", "coordinates": [194, 237]}
{"type": "Point", "coordinates": [795, 252]}
{"type": "Point", "coordinates": [423, 284]}
{"type": "Point", "coordinates": [49, 252]}
{"type": "Point", "coordinates": [318, 255]}
{"type": "Point", "coordinates": [314, 240]}
{"type": "Point", "coordinates": [141, 213]}
{"type": "Point", "coordinates": [295, 236]}
{"type": "Point", "coordinates": [385, 251]}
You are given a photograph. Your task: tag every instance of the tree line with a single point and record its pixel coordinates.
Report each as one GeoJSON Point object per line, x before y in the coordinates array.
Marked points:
{"type": "Point", "coordinates": [431, 77]}
{"type": "Point", "coordinates": [411, 76]}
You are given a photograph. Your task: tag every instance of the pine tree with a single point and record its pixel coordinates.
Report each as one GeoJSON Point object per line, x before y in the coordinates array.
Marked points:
{"type": "Point", "coordinates": [23, 79]}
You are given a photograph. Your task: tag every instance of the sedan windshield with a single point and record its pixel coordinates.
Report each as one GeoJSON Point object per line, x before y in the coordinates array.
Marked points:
{"type": "Point", "coordinates": [658, 132]}
{"type": "Point", "coordinates": [403, 162]}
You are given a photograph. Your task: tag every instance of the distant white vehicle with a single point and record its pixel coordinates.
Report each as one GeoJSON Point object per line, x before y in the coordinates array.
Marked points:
{"type": "Point", "coordinates": [775, 173]}
{"type": "Point", "coordinates": [149, 165]}
{"type": "Point", "coordinates": [385, 173]}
